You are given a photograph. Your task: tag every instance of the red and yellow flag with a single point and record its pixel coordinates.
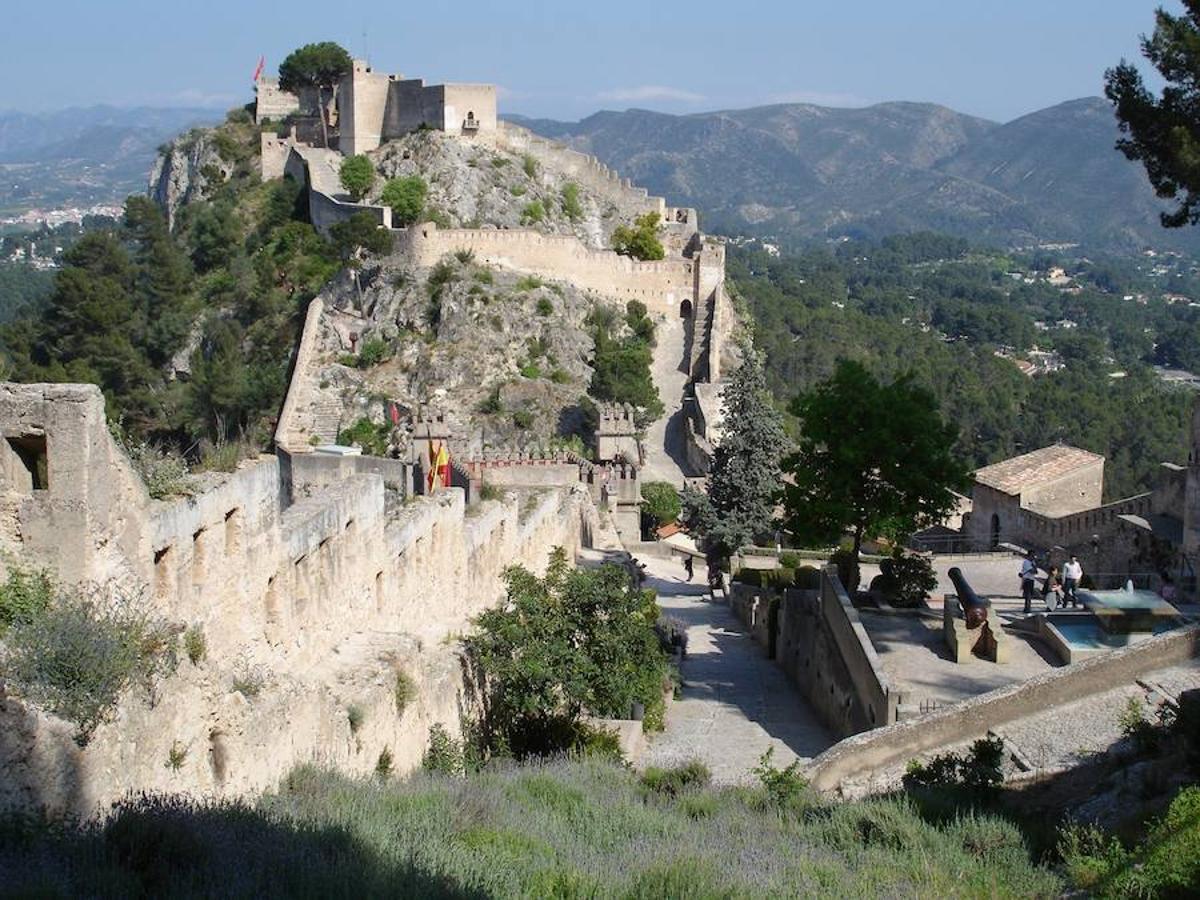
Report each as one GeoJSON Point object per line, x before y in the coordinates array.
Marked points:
{"type": "Point", "coordinates": [439, 467]}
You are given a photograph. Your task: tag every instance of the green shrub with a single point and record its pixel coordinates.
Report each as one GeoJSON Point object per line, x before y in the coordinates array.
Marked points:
{"type": "Point", "coordinates": [529, 165]}
{"type": "Point", "coordinates": [491, 405]}
{"type": "Point", "coordinates": [660, 502]}
{"type": "Point", "coordinates": [373, 439]}
{"type": "Point", "coordinates": [444, 755]}
{"type": "Point", "coordinates": [403, 691]}
{"type": "Point", "coordinates": [483, 276]}
{"type": "Point", "coordinates": [808, 578]}
{"type": "Point", "coordinates": [533, 213]}
{"type": "Point", "coordinates": [979, 769]}
{"type": "Point", "coordinates": [905, 579]}
{"type": "Point", "coordinates": [783, 786]}
{"type": "Point", "coordinates": [523, 419]}
{"type": "Point", "coordinates": [357, 174]}
{"type": "Point", "coordinates": [164, 473]}
{"type": "Point", "coordinates": [195, 645]}
{"type": "Point", "coordinates": [571, 206]}
{"type": "Point", "coordinates": [789, 560]}
{"type": "Point", "coordinates": [406, 196]}
{"type": "Point", "coordinates": [24, 596]}
{"type": "Point", "coordinates": [77, 656]}
{"type": "Point", "coordinates": [355, 716]}
{"type": "Point", "coordinates": [490, 492]}
{"type": "Point", "coordinates": [673, 782]}
{"type": "Point", "coordinates": [544, 307]}
{"type": "Point", "coordinates": [530, 370]}
{"type": "Point", "coordinates": [248, 679]}
{"type": "Point", "coordinates": [383, 765]}
{"type": "Point", "coordinates": [372, 353]}
{"type": "Point", "coordinates": [176, 756]}
{"type": "Point", "coordinates": [528, 283]}
{"type": "Point", "coordinates": [641, 240]}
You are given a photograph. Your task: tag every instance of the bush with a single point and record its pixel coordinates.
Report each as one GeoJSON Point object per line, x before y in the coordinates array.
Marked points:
{"type": "Point", "coordinates": [1166, 863]}
{"type": "Point", "coordinates": [383, 765]}
{"type": "Point", "coordinates": [24, 596]}
{"type": "Point", "coordinates": [403, 691]}
{"type": "Point", "coordinates": [789, 560]}
{"type": "Point", "coordinates": [80, 653]}
{"type": "Point", "coordinates": [406, 196]}
{"type": "Point", "coordinates": [248, 679]}
{"type": "Point", "coordinates": [673, 782]}
{"type": "Point", "coordinates": [374, 439]}
{"type": "Point", "coordinates": [523, 419]}
{"type": "Point", "coordinates": [372, 353]}
{"type": "Point", "coordinates": [533, 213]}
{"type": "Point", "coordinates": [444, 754]}
{"type": "Point", "coordinates": [355, 716]}
{"type": "Point", "coordinates": [783, 786]}
{"type": "Point", "coordinates": [640, 240]}
{"type": "Point", "coordinates": [165, 474]}
{"type": "Point", "coordinates": [571, 206]}
{"type": "Point", "coordinates": [195, 645]}
{"type": "Point", "coordinates": [529, 165]}
{"type": "Point", "coordinates": [176, 756]}
{"type": "Point", "coordinates": [544, 307]}
{"type": "Point", "coordinates": [357, 174]}
{"type": "Point", "coordinates": [660, 501]}
{"type": "Point", "coordinates": [979, 769]}
{"type": "Point", "coordinates": [572, 641]}
{"type": "Point", "coordinates": [490, 492]}
{"type": "Point", "coordinates": [905, 579]}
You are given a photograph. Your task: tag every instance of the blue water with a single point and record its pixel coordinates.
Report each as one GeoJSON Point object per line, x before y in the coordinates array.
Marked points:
{"type": "Point", "coordinates": [1082, 633]}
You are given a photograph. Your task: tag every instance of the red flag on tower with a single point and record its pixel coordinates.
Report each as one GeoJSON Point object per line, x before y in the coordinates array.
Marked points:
{"type": "Point", "coordinates": [258, 70]}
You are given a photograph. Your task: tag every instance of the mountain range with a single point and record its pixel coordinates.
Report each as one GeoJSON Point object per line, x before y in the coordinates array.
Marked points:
{"type": "Point", "coordinates": [798, 172]}
{"type": "Point", "coordinates": [85, 155]}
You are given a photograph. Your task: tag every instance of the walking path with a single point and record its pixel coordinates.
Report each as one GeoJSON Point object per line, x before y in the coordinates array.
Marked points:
{"type": "Point", "coordinates": [736, 703]}
{"type": "Point", "coordinates": [666, 458]}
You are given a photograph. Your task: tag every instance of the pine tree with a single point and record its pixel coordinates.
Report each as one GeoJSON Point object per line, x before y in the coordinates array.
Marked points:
{"type": "Point", "coordinates": [744, 482]}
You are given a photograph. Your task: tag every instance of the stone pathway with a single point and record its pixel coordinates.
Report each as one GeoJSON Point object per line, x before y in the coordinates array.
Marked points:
{"type": "Point", "coordinates": [664, 444]}
{"type": "Point", "coordinates": [736, 703]}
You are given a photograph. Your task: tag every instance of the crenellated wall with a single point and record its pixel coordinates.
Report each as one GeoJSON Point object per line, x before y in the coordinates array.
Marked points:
{"type": "Point", "coordinates": [315, 583]}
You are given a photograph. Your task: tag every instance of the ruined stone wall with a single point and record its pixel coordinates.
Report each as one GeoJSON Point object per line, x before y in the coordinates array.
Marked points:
{"type": "Point", "coordinates": [662, 284]}
{"type": "Point", "coordinates": [307, 165]}
{"type": "Point", "coordinates": [273, 103]}
{"type": "Point", "coordinates": [583, 168]}
{"type": "Point", "coordinates": [325, 596]}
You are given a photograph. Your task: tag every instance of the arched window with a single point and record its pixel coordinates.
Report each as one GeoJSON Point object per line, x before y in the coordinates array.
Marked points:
{"type": "Point", "coordinates": [685, 309]}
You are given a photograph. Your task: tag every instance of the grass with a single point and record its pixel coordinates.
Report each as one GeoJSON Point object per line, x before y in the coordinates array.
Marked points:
{"type": "Point", "coordinates": [195, 645]}
{"type": "Point", "coordinates": [403, 691]}
{"type": "Point", "coordinates": [176, 756]}
{"type": "Point", "coordinates": [355, 716]}
{"type": "Point", "coordinates": [248, 679]}
{"type": "Point", "coordinates": [557, 828]}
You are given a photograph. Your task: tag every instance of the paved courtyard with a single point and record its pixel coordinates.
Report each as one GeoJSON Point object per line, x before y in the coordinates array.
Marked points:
{"type": "Point", "coordinates": [736, 703]}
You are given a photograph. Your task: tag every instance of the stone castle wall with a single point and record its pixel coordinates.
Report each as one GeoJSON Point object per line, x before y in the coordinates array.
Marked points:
{"type": "Point", "coordinates": [661, 284]}
{"type": "Point", "coordinates": [325, 592]}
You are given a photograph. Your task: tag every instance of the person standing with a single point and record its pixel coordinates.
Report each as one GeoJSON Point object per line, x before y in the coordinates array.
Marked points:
{"type": "Point", "coordinates": [1072, 575]}
{"type": "Point", "coordinates": [1029, 572]}
{"type": "Point", "coordinates": [1053, 585]}
{"type": "Point", "coordinates": [688, 566]}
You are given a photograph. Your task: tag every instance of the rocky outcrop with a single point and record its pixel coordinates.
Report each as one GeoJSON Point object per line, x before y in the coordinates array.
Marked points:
{"type": "Point", "coordinates": [184, 169]}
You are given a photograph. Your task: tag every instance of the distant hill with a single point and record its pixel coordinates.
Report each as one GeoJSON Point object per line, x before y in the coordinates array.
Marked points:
{"type": "Point", "coordinates": [84, 156]}
{"type": "Point", "coordinates": [797, 172]}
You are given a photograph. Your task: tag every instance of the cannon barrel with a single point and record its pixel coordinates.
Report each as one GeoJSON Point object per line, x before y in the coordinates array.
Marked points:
{"type": "Point", "coordinates": [966, 594]}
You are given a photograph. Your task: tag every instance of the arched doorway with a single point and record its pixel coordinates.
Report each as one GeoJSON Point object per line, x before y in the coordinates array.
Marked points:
{"type": "Point", "coordinates": [685, 309]}
{"type": "Point", "coordinates": [995, 531]}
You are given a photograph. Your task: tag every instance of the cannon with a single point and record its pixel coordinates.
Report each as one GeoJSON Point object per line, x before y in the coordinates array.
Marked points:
{"type": "Point", "coordinates": [975, 608]}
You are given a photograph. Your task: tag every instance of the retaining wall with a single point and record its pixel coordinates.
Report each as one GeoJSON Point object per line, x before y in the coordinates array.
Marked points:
{"type": "Point", "coordinates": [857, 758]}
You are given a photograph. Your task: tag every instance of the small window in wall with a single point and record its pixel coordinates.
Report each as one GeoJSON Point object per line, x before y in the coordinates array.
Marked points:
{"type": "Point", "coordinates": [198, 556]}
{"type": "Point", "coordinates": [162, 571]}
{"type": "Point", "coordinates": [32, 469]}
{"type": "Point", "coordinates": [379, 592]}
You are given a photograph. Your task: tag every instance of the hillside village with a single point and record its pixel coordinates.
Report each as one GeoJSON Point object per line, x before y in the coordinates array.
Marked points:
{"type": "Point", "coordinates": [443, 420]}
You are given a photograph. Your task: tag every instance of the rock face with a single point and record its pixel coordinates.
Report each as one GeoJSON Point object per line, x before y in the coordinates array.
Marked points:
{"type": "Point", "coordinates": [183, 170]}
{"type": "Point", "coordinates": [476, 184]}
{"type": "Point", "coordinates": [504, 356]}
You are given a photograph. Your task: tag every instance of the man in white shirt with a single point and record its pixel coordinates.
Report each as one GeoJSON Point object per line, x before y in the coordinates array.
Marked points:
{"type": "Point", "coordinates": [1072, 574]}
{"type": "Point", "coordinates": [1029, 572]}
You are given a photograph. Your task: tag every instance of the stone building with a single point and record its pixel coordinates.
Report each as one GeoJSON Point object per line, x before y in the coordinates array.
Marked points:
{"type": "Point", "coordinates": [369, 108]}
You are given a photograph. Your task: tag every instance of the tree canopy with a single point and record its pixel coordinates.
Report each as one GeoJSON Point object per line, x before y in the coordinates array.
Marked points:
{"type": "Point", "coordinates": [573, 641]}
{"type": "Point", "coordinates": [360, 232]}
{"type": "Point", "coordinates": [406, 197]}
{"type": "Point", "coordinates": [319, 66]}
{"type": "Point", "coordinates": [875, 459]}
{"type": "Point", "coordinates": [1163, 133]}
{"type": "Point", "coordinates": [640, 240]}
{"type": "Point", "coordinates": [743, 484]}
{"type": "Point", "coordinates": [357, 175]}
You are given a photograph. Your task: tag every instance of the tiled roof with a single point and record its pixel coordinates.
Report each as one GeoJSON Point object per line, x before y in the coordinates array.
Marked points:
{"type": "Point", "coordinates": [1032, 469]}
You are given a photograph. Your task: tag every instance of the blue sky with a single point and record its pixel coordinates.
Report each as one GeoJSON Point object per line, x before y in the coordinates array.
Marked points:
{"type": "Point", "coordinates": [566, 59]}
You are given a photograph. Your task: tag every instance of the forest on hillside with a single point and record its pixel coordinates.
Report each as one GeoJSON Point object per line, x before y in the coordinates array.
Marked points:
{"type": "Point", "coordinates": [944, 310]}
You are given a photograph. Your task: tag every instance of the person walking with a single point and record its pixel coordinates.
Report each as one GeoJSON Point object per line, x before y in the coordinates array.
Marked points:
{"type": "Point", "coordinates": [689, 566]}
{"type": "Point", "coordinates": [1072, 575]}
{"type": "Point", "coordinates": [1029, 572]}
